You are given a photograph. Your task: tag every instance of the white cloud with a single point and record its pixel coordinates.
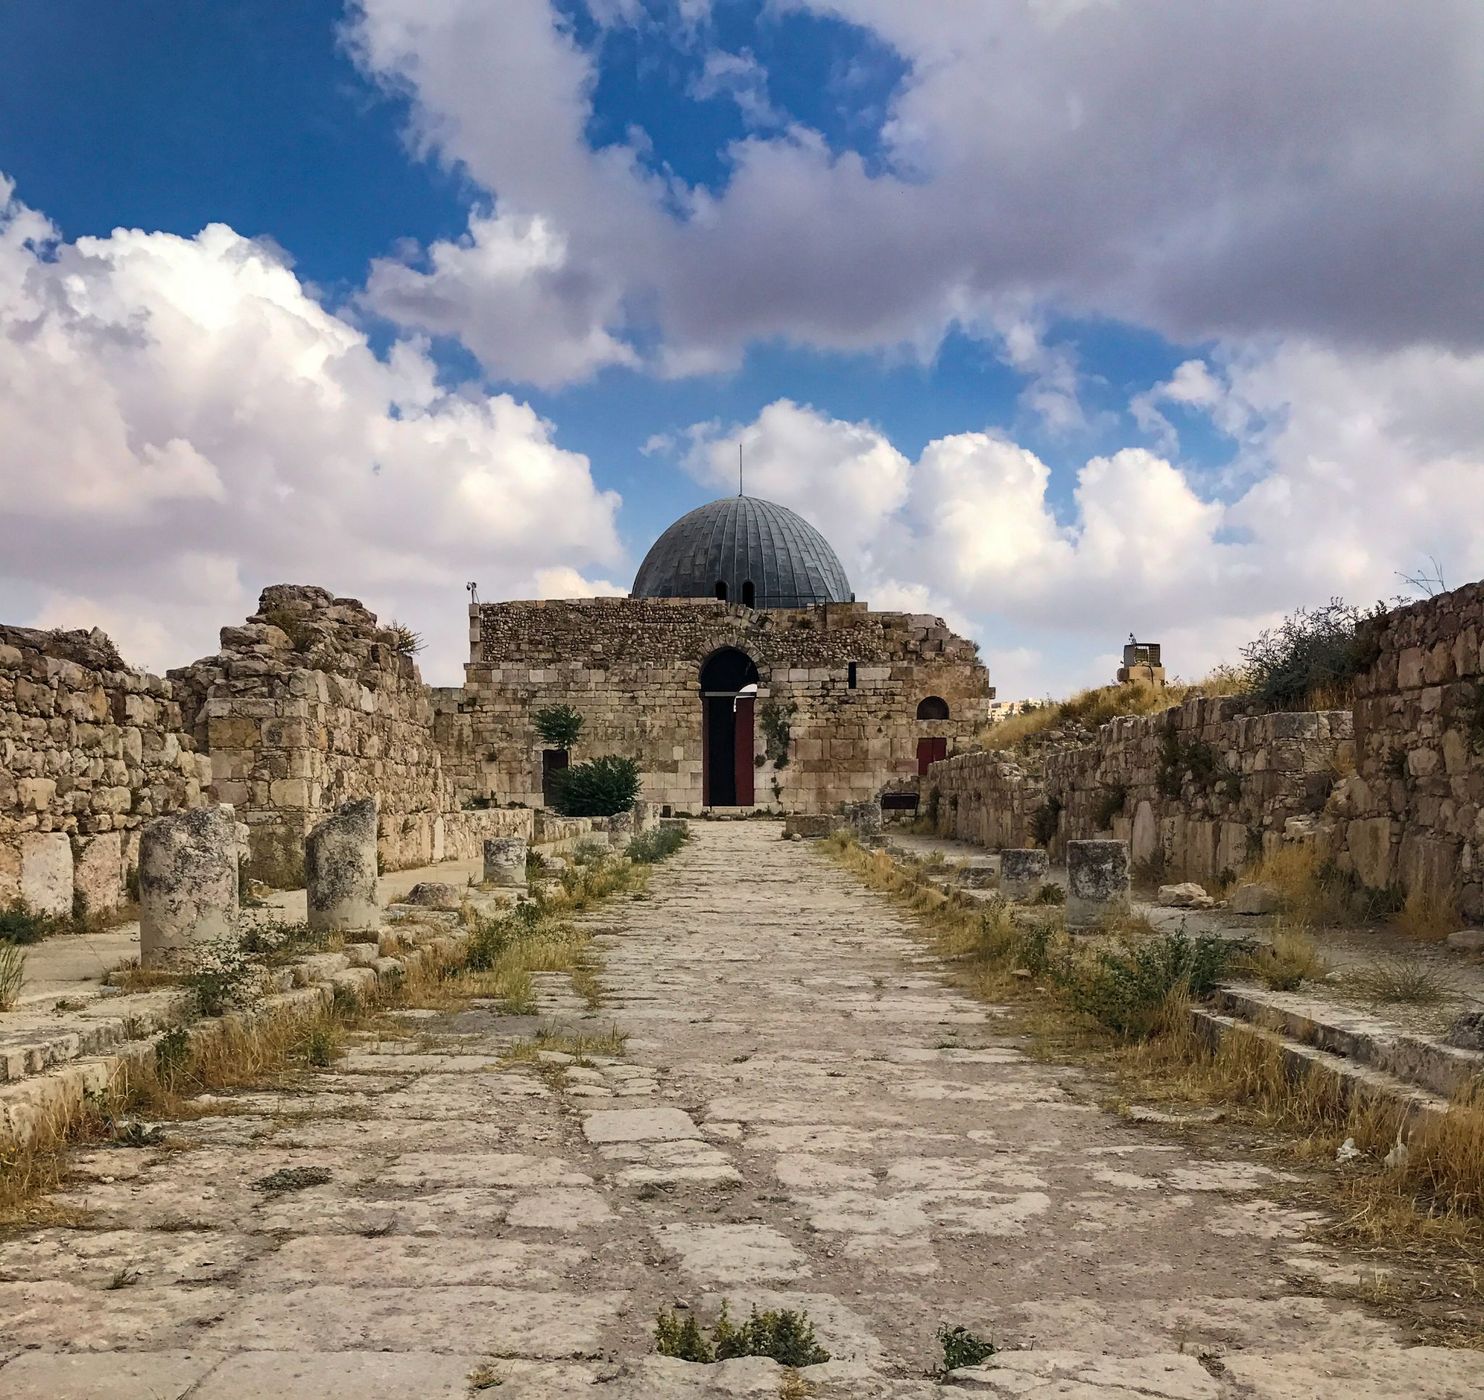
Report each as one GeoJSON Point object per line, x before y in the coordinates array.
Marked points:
{"type": "Point", "coordinates": [1220, 170]}
{"type": "Point", "coordinates": [184, 423]}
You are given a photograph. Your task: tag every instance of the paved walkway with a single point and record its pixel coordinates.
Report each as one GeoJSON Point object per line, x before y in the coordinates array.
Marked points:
{"type": "Point", "coordinates": [805, 1117]}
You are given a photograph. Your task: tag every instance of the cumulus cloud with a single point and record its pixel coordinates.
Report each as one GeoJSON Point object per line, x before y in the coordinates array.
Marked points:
{"type": "Point", "coordinates": [185, 423]}
{"type": "Point", "coordinates": [1214, 170]}
{"type": "Point", "coordinates": [1350, 472]}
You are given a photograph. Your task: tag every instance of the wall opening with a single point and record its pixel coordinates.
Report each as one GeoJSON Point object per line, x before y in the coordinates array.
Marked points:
{"type": "Point", "coordinates": [934, 707]}
{"type": "Point", "coordinates": [721, 589]}
{"type": "Point", "coordinates": [748, 593]}
{"type": "Point", "coordinates": [728, 688]}
{"type": "Point", "coordinates": [552, 761]}
{"type": "Point", "coordinates": [850, 675]}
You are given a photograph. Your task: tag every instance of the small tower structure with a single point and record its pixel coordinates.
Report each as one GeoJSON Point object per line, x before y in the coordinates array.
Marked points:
{"type": "Point", "coordinates": [1141, 664]}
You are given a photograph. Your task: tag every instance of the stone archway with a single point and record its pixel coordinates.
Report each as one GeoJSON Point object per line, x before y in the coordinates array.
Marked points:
{"type": "Point", "coordinates": [727, 721]}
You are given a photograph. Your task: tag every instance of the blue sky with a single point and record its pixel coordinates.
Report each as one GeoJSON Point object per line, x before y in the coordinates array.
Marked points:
{"type": "Point", "coordinates": [1056, 324]}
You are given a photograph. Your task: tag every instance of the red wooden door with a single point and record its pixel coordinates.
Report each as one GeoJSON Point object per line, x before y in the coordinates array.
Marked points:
{"type": "Point", "coordinates": [930, 751]}
{"type": "Point", "coordinates": [744, 763]}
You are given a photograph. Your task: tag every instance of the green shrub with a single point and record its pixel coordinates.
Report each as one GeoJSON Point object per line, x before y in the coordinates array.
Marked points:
{"type": "Point", "coordinates": [1046, 820]}
{"type": "Point", "coordinates": [786, 1337]}
{"type": "Point", "coordinates": [962, 1348]}
{"type": "Point", "coordinates": [1127, 988]}
{"type": "Point", "coordinates": [776, 721]}
{"type": "Point", "coordinates": [1110, 805]}
{"type": "Point", "coordinates": [18, 924]}
{"type": "Point", "coordinates": [601, 787]}
{"type": "Point", "coordinates": [1313, 654]}
{"type": "Point", "coordinates": [222, 976]}
{"type": "Point", "coordinates": [652, 846]}
{"type": "Point", "coordinates": [558, 725]}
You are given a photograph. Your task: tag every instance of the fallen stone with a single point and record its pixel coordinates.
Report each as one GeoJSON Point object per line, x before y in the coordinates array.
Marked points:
{"type": "Point", "coordinates": [1467, 940]}
{"type": "Point", "coordinates": [1254, 899]}
{"type": "Point", "coordinates": [1467, 1032]}
{"type": "Point", "coordinates": [435, 894]}
{"type": "Point", "coordinates": [1186, 896]}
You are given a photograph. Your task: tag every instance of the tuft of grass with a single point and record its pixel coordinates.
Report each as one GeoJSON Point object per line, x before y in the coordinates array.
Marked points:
{"type": "Point", "coordinates": [19, 924]}
{"type": "Point", "coordinates": [1290, 960]}
{"type": "Point", "coordinates": [1400, 980]}
{"type": "Point", "coordinates": [784, 1336]}
{"type": "Point", "coordinates": [1429, 916]}
{"type": "Point", "coordinates": [610, 1044]}
{"type": "Point", "coordinates": [286, 1179]}
{"type": "Point", "coordinates": [656, 845]}
{"type": "Point", "coordinates": [961, 1348]}
{"type": "Point", "coordinates": [12, 974]}
{"type": "Point", "coordinates": [1137, 987]}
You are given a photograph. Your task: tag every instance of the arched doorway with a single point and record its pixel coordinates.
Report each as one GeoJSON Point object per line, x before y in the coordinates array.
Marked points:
{"type": "Point", "coordinates": [728, 695]}
{"type": "Point", "coordinates": [931, 747]}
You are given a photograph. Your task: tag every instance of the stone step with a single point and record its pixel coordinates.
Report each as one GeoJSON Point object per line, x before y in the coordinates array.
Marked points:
{"type": "Point", "coordinates": [33, 1042]}
{"type": "Point", "coordinates": [1352, 1078]}
{"type": "Point", "coordinates": [1415, 1059]}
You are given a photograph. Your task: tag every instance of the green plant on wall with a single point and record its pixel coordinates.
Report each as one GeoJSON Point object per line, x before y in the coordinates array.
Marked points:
{"type": "Point", "coordinates": [559, 725]}
{"type": "Point", "coordinates": [777, 723]}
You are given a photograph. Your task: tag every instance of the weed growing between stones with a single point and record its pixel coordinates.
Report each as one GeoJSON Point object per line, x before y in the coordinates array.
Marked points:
{"type": "Point", "coordinates": [286, 1179]}
{"type": "Point", "coordinates": [652, 846]}
{"type": "Point", "coordinates": [962, 1348]}
{"type": "Point", "coordinates": [223, 976]}
{"type": "Point", "coordinates": [1401, 981]}
{"type": "Point", "coordinates": [1134, 988]}
{"type": "Point", "coordinates": [609, 1044]}
{"type": "Point", "coordinates": [19, 923]}
{"type": "Point", "coordinates": [12, 974]}
{"type": "Point", "coordinates": [786, 1337]}
{"type": "Point", "coordinates": [1289, 960]}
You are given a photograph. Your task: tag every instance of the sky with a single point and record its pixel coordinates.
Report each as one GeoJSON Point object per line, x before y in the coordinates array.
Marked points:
{"type": "Point", "coordinates": [1062, 319]}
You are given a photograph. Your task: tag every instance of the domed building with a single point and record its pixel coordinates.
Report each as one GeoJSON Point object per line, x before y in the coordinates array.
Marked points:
{"type": "Point", "coordinates": [741, 672]}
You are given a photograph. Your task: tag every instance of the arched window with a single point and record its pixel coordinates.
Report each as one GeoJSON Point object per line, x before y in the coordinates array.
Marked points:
{"type": "Point", "coordinates": [721, 589]}
{"type": "Point", "coordinates": [726, 671]}
{"type": "Point", "coordinates": [747, 594]}
{"type": "Point", "coordinates": [934, 707]}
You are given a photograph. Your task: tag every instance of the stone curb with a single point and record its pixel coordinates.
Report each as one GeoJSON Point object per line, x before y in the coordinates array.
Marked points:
{"type": "Point", "coordinates": [55, 1098]}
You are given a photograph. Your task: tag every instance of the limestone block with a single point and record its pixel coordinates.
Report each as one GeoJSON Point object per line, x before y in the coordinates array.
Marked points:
{"type": "Point", "coordinates": [865, 819]}
{"type": "Point", "coordinates": [505, 861]}
{"type": "Point", "coordinates": [620, 830]}
{"type": "Point", "coordinates": [187, 884]}
{"type": "Point", "coordinates": [46, 872]}
{"type": "Point", "coordinates": [1467, 940]}
{"type": "Point", "coordinates": [1022, 873]}
{"type": "Point", "coordinates": [1254, 899]}
{"type": "Point", "coordinates": [1097, 881]}
{"type": "Point", "coordinates": [1186, 896]}
{"type": "Point", "coordinates": [98, 871]}
{"type": "Point", "coordinates": [646, 816]}
{"type": "Point", "coordinates": [340, 870]}
{"type": "Point", "coordinates": [435, 894]}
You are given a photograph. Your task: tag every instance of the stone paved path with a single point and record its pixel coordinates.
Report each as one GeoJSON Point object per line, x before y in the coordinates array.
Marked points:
{"type": "Point", "coordinates": [805, 1117]}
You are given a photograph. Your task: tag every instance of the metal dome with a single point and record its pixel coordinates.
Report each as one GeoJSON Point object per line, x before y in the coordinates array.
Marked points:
{"type": "Point", "coordinates": [761, 554]}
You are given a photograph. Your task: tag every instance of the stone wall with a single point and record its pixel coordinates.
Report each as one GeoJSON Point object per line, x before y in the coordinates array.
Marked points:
{"type": "Point", "coordinates": [309, 703]}
{"type": "Point", "coordinates": [631, 667]}
{"type": "Point", "coordinates": [1412, 817]}
{"type": "Point", "coordinates": [1198, 790]}
{"type": "Point", "coordinates": [89, 751]}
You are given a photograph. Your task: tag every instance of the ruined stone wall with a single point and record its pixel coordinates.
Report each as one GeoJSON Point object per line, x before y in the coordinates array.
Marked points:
{"type": "Point", "coordinates": [1413, 814]}
{"type": "Point", "coordinates": [89, 751]}
{"type": "Point", "coordinates": [311, 702]}
{"type": "Point", "coordinates": [1198, 790]}
{"type": "Point", "coordinates": [631, 667]}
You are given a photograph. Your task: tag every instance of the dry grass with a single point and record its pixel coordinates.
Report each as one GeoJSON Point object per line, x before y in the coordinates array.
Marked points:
{"type": "Point", "coordinates": [1091, 708]}
{"type": "Point", "coordinates": [1429, 916]}
{"type": "Point", "coordinates": [607, 1044]}
{"type": "Point", "coordinates": [1401, 980]}
{"type": "Point", "coordinates": [1289, 960]}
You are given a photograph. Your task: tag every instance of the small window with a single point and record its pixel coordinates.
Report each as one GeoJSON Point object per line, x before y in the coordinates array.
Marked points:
{"type": "Point", "coordinates": [934, 707]}
{"type": "Point", "coordinates": [850, 675]}
{"type": "Point", "coordinates": [747, 594]}
{"type": "Point", "coordinates": [721, 590]}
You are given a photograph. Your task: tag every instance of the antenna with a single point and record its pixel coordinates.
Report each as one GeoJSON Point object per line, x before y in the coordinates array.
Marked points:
{"type": "Point", "coordinates": [739, 466]}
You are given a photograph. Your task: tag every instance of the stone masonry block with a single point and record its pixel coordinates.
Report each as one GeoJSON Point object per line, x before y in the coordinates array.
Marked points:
{"type": "Point", "coordinates": [1022, 873]}
{"type": "Point", "coordinates": [46, 872]}
{"type": "Point", "coordinates": [1097, 881]}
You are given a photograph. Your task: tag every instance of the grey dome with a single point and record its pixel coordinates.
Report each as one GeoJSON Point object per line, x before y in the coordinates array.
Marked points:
{"type": "Point", "coordinates": [741, 541]}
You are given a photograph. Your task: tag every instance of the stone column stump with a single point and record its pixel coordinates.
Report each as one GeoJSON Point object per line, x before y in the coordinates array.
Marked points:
{"type": "Point", "coordinates": [340, 870]}
{"type": "Point", "coordinates": [1022, 873]}
{"type": "Point", "coordinates": [865, 821]}
{"type": "Point", "coordinates": [646, 817]}
{"type": "Point", "coordinates": [505, 862]}
{"type": "Point", "coordinates": [1097, 881]}
{"type": "Point", "coordinates": [620, 830]}
{"type": "Point", "coordinates": [187, 884]}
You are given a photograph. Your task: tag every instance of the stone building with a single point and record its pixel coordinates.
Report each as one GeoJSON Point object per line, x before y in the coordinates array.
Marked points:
{"type": "Point", "coordinates": [740, 672]}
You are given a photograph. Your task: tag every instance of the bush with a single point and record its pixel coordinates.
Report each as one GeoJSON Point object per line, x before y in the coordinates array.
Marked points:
{"type": "Point", "coordinates": [786, 1337]}
{"type": "Point", "coordinates": [1290, 960]}
{"type": "Point", "coordinates": [222, 976]}
{"type": "Point", "coordinates": [601, 787]}
{"type": "Point", "coordinates": [1127, 989]}
{"type": "Point", "coordinates": [559, 725]}
{"type": "Point", "coordinates": [1312, 656]}
{"type": "Point", "coordinates": [19, 925]}
{"type": "Point", "coordinates": [1046, 820]}
{"type": "Point", "coordinates": [962, 1348]}
{"type": "Point", "coordinates": [652, 846]}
